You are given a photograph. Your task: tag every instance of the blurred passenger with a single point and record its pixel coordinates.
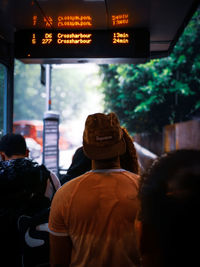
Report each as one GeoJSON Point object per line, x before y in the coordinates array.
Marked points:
{"type": "Point", "coordinates": [145, 157]}
{"type": "Point", "coordinates": [92, 216]}
{"type": "Point", "coordinates": [25, 188]}
{"type": "Point", "coordinates": [80, 164]}
{"type": "Point", "coordinates": [169, 221]}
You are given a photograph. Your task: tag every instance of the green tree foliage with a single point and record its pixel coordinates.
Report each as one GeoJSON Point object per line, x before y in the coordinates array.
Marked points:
{"type": "Point", "coordinates": [148, 96]}
{"type": "Point", "coordinates": [29, 101]}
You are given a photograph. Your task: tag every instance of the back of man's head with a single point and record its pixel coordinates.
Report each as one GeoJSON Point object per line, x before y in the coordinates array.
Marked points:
{"type": "Point", "coordinates": [13, 144]}
{"type": "Point", "coordinates": [103, 137]}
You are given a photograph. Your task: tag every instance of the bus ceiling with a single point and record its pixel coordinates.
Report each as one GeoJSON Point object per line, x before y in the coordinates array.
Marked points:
{"type": "Point", "coordinates": [101, 31]}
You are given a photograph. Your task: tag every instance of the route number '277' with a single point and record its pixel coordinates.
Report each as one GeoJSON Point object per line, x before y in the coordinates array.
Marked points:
{"type": "Point", "coordinates": [47, 38]}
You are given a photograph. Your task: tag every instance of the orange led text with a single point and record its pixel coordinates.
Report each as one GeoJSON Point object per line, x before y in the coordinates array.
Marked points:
{"type": "Point", "coordinates": [74, 21]}
{"type": "Point", "coordinates": [34, 20]}
{"type": "Point", "coordinates": [48, 21]}
{"type": "Point", "coordinates": [48, 38]}
{"type": "Point", "coordinates": [74, 38]}
{"type": "Point", "coordinates": [34, 39]}
{"type": "Point", "coordinates": [120, 38]}
{"type": "Point", "coordinates": [121, 19]}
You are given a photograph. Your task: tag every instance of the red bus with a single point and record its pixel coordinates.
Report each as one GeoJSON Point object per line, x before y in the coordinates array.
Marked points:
{"type": "Point", "coordinates": [34, 129]}
{"type": "Point", "coordinates": [29, 128]}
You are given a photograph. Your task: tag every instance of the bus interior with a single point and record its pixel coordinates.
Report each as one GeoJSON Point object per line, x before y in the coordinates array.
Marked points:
{"type": "Point", "coordinates": [86, 31]}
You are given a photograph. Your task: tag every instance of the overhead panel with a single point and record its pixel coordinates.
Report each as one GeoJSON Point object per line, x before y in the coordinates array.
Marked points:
{"type": "Point", "coordinates": [164, 20]}
{"type": "Point", "coordinates": [99, 30]}
{"type": "Point", "coordinates": [167, 21]}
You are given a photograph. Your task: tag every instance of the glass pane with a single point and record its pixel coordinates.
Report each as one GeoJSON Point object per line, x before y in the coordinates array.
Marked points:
{"type": "Point", "coordinates": [22, 129]}
{"type": "Point", "coordinates": [29, 106]}
{"type": "Point", "coordinates": [2, 85]}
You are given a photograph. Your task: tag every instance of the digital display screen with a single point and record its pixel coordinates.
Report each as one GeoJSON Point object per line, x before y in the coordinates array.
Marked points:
{"type": "Point", "coordinates": [78, 38]}
{"type": "Point", "coordinates": [126, 43]}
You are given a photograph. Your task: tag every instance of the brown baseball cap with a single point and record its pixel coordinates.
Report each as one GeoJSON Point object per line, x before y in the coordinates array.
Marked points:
{"type": "Point", "coordinates": [103, 137]}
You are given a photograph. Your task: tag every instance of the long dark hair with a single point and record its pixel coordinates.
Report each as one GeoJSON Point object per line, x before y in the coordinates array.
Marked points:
{"type": "Point", "coordinates": [170, 198]}
{"type": "Point", "coordinates": [129, 160]}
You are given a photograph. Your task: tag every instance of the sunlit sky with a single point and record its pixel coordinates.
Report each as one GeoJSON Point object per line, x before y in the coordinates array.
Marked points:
{"type": "Point", "coordinates": [75, 127]}
{"type": "Point", "coordinates": [93, 104]}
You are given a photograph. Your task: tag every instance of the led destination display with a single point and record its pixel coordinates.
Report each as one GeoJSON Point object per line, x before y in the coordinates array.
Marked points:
{"type": "Point", "coordinates": [74, 44]}
{"type": "Point", "coordinates": [76, 38]}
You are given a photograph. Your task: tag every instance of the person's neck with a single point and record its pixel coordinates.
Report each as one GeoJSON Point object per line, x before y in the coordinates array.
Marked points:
{"type": "Point", "coordinates": [15, 157]}
{"type": "Point", "coordinates": [106, 164]}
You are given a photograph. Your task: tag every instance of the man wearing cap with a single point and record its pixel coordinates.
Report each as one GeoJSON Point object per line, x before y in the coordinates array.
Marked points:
{"type": "Point", "coordinates": [92, 216]}
{"type": "Point", "coordinates": [25, 188]}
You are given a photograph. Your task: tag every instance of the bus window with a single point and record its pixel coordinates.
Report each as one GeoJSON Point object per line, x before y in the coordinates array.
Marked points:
{"type": "Point", "coordinates": [29, 129]}
{"type": "Point", "coordinates": [39, 133]}
{"type": "Point", "coordinates": [22, 129]}
{"type": "Point", "coordinates": [34, 129]}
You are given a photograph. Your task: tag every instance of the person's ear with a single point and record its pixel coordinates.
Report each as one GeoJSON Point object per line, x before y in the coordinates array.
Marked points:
{"type": "Point", "coordinates": [27, 153]}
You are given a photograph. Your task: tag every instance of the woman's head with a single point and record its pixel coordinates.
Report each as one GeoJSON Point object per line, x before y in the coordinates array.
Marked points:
{"type": "Point", "coordinates": [170, 197]}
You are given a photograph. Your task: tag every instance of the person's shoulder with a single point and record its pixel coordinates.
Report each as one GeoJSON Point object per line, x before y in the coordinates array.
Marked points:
{"type": "Point", "coordinates": [74, 182]}
{"type": "Point", "coordinates": [17, 167]}
{"type": "Point", "coordinates": [132, 176]}
{"type": "Point", "coordinates": [65, 193]}
{"type": "Point", "coordinates": [3, 164]}
{"type": "Point", "coordinates": [25, 164]}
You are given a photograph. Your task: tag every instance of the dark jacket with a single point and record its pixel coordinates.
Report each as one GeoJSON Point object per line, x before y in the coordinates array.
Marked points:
{"type": "Point", "coordinates": [22, 183]}
{"type": "Point", "coordinates": [80, 164]}
{"type": "Point", "coordinates": [22, 187]}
